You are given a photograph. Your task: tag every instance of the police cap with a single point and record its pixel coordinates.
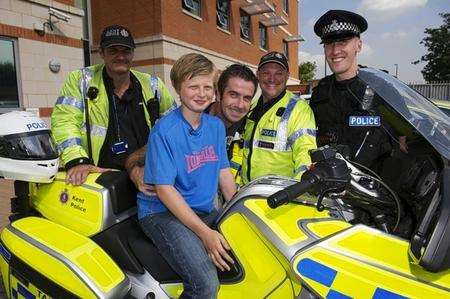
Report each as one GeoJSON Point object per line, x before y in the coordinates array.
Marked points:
{"type": "Point", "coordinates": [116, 35]}
{"type": "Point", "coordinates": [275, 57]}
{"type": "Point", "coordinates": [339, 24]}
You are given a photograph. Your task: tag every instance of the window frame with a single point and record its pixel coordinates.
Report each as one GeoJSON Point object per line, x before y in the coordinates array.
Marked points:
{"type": "Point", "coordinates": [241, 34]}
{"type": "Point", "coordinates": [285, 6]}
{"type": "Point", "coordinates": [225, 14]}
{"type": "Point", "coordinates": [191, 10]}
{"type": "Point", "coordinates": [18, 78]}
{"type": "Point", "coordinates": [286, 49]}
{"type": "Point", "coordinates": [264, 46]}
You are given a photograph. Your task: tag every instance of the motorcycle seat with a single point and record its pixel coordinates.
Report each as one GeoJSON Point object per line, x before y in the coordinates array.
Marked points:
{"type": "Point", "coordinates": [122, 191]}
{"type": "Point", "coordinates": [150, 258]}
{"type": "Point", "coordinates": [133, 251]}
{"type": "Point", "coordinates": [129, 246]}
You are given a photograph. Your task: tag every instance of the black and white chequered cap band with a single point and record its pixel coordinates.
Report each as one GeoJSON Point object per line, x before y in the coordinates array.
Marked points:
{"type": "Point", "coordinates": [336, 26]}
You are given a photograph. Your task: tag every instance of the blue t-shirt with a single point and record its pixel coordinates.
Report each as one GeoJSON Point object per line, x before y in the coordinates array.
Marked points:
{"type": "Point", "coordinates": [188, 159]}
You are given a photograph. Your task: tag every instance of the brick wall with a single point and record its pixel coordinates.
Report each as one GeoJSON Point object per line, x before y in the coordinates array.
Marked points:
{"type": "Point", "coordinates": [142, 17]}
{"type": "Point", "coordinates": [204, 33]}
{"type": "Point", "coordinates": [166, 18]}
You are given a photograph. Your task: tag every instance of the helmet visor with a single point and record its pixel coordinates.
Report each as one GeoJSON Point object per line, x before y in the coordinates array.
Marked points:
{"type": "Point", "coordinates": [36, 145]}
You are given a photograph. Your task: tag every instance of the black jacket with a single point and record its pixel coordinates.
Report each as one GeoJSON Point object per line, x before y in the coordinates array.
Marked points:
{"type": "Point", "coordinates": [333, 102]}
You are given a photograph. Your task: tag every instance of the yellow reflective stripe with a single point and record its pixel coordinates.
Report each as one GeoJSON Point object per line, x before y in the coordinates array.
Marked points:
{"type": "Point", "coordinates": [70, 101]}
{"type": "Point", "coordinates": [68, 143]}
{"type": "Point", "coordinates": [96, 130]}
{"type": "Point", "coordinates": [283, 126]}
{"type": "Point", "coordinates": [281, 144]}
{"type": "Point", "coordinates": [300, 169]}
{"type": "Point", "coordinates": [299, 133]}
{"type": "Point", "coordinates": [86, 77]}
{"type": "Point", "coordinates": [154, 87]}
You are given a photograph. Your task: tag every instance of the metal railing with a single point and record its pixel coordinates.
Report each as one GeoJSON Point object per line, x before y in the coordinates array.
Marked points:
{"type": "Point", "coordinates": [433, 90]}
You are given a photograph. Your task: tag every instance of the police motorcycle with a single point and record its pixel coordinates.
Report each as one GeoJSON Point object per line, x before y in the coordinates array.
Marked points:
{"type": "Point", "coordinates": [343, 231]}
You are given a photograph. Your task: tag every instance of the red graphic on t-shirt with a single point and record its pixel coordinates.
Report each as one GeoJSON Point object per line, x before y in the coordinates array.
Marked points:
{"type": "Point", "coordinates": [198, 159]}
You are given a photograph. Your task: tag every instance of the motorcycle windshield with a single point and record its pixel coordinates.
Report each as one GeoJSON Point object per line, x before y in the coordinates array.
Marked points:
{"type": "Point", "coordinates": [28, 146]}
{"type": "Point", "coordinates": [424, 116]}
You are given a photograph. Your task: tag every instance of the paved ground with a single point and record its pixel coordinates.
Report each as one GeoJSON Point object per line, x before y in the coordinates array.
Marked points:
{"type": "Point", "coordinates": [6, 192]}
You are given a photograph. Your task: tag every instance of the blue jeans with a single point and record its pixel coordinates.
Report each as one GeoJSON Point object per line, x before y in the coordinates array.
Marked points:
{"type": "Point", "coordinates": [184, 252]}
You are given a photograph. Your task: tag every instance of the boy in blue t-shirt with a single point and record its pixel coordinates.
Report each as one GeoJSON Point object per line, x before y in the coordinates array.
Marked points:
{"type": "Point", "coordinates": [186, 160]}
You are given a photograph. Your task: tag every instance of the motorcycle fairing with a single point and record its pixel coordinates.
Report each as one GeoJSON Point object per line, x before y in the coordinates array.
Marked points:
{"type": "Point", "coordinates": [363, 262]}
{"type": "Point", "coordinates": [263, 276]}
{"type": "Point", "coordinates": [86, 209]}
{"type": "Point", "coordinates": [53, 259]}
{"type": "Point", "coordinates": [288, 226]}
{"type": "Point", "coordinates": [284, 230]}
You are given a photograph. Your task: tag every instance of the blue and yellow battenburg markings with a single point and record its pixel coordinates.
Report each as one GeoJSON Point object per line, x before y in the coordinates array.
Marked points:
{"type": "Point", "coordinates": [326, 276]}
{"type": "Point", "coordinates": [21, 290]}
{"type": "Point", "coordinates": [5, 252]}
{"type": "Point", "coordinates": [25, 290]}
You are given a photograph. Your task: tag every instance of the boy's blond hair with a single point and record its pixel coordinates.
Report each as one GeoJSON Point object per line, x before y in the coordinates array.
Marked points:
{"type": "Point", "coordinates": [189, 66]}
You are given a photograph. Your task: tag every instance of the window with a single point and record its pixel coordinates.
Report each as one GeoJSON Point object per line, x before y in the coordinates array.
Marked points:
{"type": "Point", "coordinates": [9, 91]}
{"type": "Point", "coordinates": [262, 36]}
{"type": "Point", "coordinates": [223, 14]}
{"type": "Point", "coordinates": [192, 6]}
{"type": "Point", "coordinates": [286, 6]}
{"type": "Point", "coordinates": [286, 49]}
{"type": "Point", "coordinates": [81, 4]}
{"type": "Point", "coordinates": [245, 25]}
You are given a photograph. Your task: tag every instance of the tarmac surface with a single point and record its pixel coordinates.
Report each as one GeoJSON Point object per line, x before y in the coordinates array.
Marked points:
{"type": "Point", "coordinates": [6, 192]}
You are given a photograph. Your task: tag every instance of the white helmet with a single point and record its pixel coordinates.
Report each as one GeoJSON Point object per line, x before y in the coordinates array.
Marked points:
{"type": "Point", "coordinates": [27, 151]}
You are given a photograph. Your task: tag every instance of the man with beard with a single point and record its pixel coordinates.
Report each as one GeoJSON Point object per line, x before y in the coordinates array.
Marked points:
{"type": "Point", "coordinates": [104, 112]}
{"type": "Point", "coordinates": [235, 89]}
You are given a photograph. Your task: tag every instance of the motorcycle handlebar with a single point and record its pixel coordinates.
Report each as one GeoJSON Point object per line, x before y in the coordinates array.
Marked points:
{"type": "Point", "coordinates": [290, 193]}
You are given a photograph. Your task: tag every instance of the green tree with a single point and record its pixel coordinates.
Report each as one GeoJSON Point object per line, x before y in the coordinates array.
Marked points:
{"type": "Point", "coordinates": [306, 71]}
{"type": "Point", "coordinates": [437, 42]}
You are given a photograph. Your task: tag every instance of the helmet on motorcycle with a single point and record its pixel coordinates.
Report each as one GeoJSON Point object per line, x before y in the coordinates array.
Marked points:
{"type": "Point", "coordinates": [27, 151]}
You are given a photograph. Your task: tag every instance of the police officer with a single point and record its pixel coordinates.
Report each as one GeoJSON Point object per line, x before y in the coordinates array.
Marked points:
{"type": "Point", "coordinates": [280, 130]}
{"type": "Point", "coordinates": [104, 112]}
{"type": "Point", "coordinates": [345, 109]}
{"type": "Point", "coordinates": [236, 88]}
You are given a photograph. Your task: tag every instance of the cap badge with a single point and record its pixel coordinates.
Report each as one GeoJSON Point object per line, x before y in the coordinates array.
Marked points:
{"type": "Point", "coordinates": [124, 33]}
{"type": "Point", "coordinates": [334, 26]}
{"type": "Point", "coordinates": [111, 32]}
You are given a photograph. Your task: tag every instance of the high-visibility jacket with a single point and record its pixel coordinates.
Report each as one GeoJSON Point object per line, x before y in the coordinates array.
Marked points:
{"type": "Point", "coordinates": [279, 142]}
{"type": "Point", "coordinates": [68, 121]}
{"type": "Point", "coordinates": [235, 156]}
